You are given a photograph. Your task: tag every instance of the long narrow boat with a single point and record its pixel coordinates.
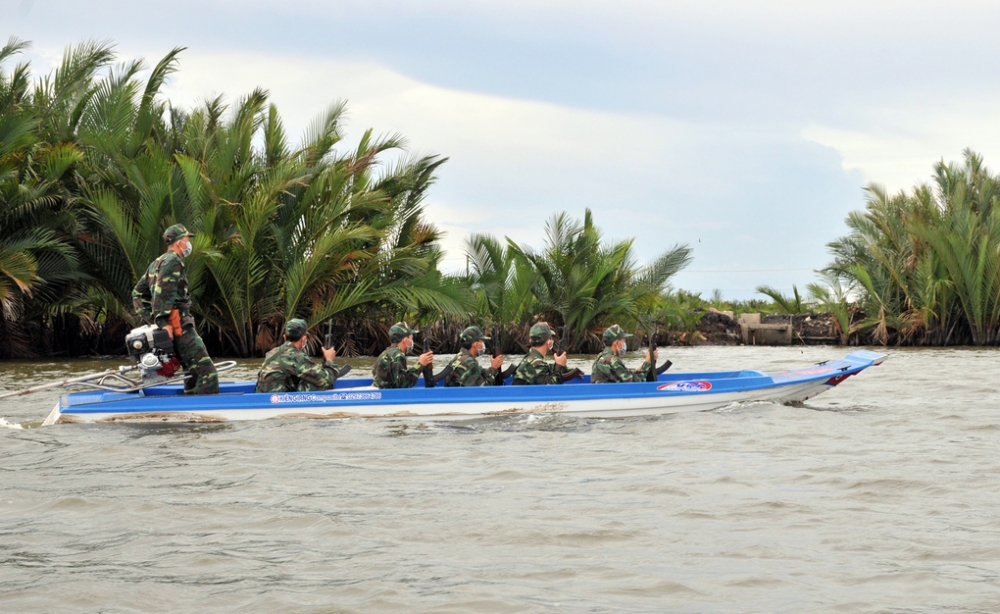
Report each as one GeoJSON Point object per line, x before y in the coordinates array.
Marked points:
{"type": "Point", "coordinates": [672, 393]}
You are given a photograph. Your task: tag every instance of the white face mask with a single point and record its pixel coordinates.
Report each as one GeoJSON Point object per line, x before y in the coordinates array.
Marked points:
{"type": "Point", "coordinates": [622, 349]}
{"type": "Point", "coordinates": [550, 343]}
{"type": "Point", "coordinates": [186, 251]}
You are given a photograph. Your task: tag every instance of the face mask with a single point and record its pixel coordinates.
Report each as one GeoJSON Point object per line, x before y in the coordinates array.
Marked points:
{"type": "Point", "coordinates": [187, 250]}
{"type": "Point", "coordinates": [409, 346]}
{"type": "Point", "coordinates": [550, 343]}
{"type": "Point", "coordinates": [622, 349]}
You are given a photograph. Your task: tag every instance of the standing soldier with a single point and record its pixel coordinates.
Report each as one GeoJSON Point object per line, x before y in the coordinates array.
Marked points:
{"type": "Point", "coordinates": [609, 366]}
{"type": "Point", "coordinates": [534, 369]}
{"type": "Point", "coordinates": [287, 368]}
{"type": "Point", "coordinates": [161, 298]}
{"type": "Point", "coordinates": [391, 371]}
{"type": "Point", "coordinates": [465, 369]}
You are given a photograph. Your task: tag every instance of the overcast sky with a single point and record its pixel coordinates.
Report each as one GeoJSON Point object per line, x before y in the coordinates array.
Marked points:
{"type": "Point", "coordinates": [746, 129]}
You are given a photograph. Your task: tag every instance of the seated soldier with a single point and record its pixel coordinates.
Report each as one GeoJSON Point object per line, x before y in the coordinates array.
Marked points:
{"type": "Point", "coordinates": [287, 368]}
{"type": "Point", "coordinates": [534, 369]}
{"type": "Point", "coordinates": [465, 369]}
{"type": "Point", "coordinates": [390, 370]}
{"type": "Point", "coordinates": [609, 366]}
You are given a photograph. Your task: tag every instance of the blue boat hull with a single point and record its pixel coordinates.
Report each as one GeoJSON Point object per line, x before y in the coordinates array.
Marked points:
{"type": "Point", "coordinates": [671, 393]}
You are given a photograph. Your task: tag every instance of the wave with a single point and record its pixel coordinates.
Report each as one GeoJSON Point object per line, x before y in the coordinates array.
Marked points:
{"type": "Point", "coordinates": [9, 425]}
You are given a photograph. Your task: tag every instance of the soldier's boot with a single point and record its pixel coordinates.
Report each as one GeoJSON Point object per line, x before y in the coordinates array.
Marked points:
{"type": "Point", "coordinates": [203, 377]}
{"type": "Point", "coordinates": [206, 378]}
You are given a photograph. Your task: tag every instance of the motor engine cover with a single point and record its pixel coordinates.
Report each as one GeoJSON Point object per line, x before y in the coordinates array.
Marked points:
{"type": "Point", "coordinates": [152, 349]}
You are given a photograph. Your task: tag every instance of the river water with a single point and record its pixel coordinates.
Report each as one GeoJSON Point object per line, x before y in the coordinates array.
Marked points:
{"type": "Point", "coordinates": [881, 495]}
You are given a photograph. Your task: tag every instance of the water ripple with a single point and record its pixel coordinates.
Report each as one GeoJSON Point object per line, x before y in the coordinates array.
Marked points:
{"type": "Point", "coordinates": [879, 496]}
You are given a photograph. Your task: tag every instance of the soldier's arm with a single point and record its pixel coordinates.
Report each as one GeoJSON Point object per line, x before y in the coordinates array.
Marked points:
{"type": "Point", "coordinates": [405, 376]}
{"type": "Point", "coordinates": [164, 291]}
{"type": "Point", "coordinates": [621, 373]}
{"type": "Point", "coordinates": [488, 376]}
{"type": "Point", "coordinates": [140, 300]}
{"type": "Point", "coordinates": [549, 373]}
{"type": "Point", "coordinates": [475, 375]}
{"type": "Point", "coordinates": [642, 373]}
{"type": "Point", "coordinates": [537, 371]}
{"type": "Point", "coordinates": [317, 376]}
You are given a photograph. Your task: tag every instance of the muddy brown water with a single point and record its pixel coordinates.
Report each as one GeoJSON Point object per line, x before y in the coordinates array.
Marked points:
{"type": "Point", "coordinates": [881, 495]}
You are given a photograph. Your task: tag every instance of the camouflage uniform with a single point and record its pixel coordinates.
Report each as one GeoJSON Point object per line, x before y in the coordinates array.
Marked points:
{"type": "Point", "coordinates": [465, 369]}
{"type": "Point", "coordinates": [390, 371]}
{"type": "Point", "coordinates": [288, 369]}
{"type": "Point", "coordinates": [534, 369]}
{"type": "Point", "coordinates": [609, 367]}
{"type": "Point", "coordinates": [163, 288]}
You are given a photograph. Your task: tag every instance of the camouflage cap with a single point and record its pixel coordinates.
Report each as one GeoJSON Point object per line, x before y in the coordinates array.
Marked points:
{"type": "Point", "coordinates": [614, 333]}
{"type": "Point", "coordinates": [540, 333]}
{"type": "Point", "coordinates": [296, 327]}
{"type": "Point", "coordinates": [400, 331]}
{"type": "Point", "coordinates": [175, 232]}
{"type": "Point", "coordinates": [473, 334]}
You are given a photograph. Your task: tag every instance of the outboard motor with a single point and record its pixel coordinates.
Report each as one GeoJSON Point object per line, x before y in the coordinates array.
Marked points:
{"type": "Point", "coordinates": [152, 349]}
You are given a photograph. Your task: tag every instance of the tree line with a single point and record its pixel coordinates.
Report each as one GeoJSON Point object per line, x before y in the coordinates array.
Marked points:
{"type": "Point", "coordinates": [919, 267]}
{"type": "Point", "coordinates": [95, 163]}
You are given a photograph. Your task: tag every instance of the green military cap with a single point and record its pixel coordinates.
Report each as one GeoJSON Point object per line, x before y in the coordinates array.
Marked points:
{"type": "Point", "coordinates": [540, 333]}
{"type": "Point", "coordinates": [614, 333]}
{"type": "Point", "coordinates": [296, 327]}
{"type": "Point", "coordinates": [400, 331]}
{"type": "Point", "coordinates": [175, 232]}
{"type": "Point", "coordinates": [473, 334]}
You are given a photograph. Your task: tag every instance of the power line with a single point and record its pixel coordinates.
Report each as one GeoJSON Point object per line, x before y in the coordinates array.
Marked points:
{"type": "Point", "coordinates": [696, 270]}
{"type": "Point", "coordinates": [743, 270]}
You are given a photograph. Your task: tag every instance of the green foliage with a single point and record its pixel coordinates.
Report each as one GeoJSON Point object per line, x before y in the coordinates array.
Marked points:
{"type": "Point", "coordinates": [577, 282]}
{"type": "Point", "coordinates": [94, 165]}
{"type": "Point", "coordinates": [753, 306]}
{"type": "Point", "coordinates": [682, 311]}
{"type": "Point", "coordinates": [926, 265]}
{"type": "Point", "coordinates": [37, 262]}
{"type": "Point", "coordinates": [786, 304]}
{"type": "Point", "coordinates": [832, 297]}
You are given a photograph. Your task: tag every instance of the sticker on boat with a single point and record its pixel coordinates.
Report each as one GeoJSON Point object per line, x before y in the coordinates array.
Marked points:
{"type": "Point", "coordinates": [686, 386]}
{"type": "Point", "coordinates": [322, 398]}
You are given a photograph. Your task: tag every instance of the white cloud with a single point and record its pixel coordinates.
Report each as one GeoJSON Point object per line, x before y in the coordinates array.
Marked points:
{"type": "Point", "coordinates": [497, 141]}
{"type": "Point", "coordinates": [897, 148]}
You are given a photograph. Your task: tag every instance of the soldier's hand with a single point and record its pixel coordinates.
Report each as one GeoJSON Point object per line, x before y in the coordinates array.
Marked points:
{"type": "Point", "coordinates": [329, 354]}
{"type": "Point", "coordinates": [561, 359]}
{"type": "Point", "coordinates": [426, 358]}
{"type": "Point", "coordinates": [496, 362]}
{"type": "Point", "coordinates": [652, 360]}
{"type": "Point", "coordinates": [170, 330]}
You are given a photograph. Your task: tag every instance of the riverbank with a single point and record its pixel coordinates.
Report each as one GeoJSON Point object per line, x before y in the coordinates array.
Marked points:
{"type": "Point", "coordinates": [722, 328]}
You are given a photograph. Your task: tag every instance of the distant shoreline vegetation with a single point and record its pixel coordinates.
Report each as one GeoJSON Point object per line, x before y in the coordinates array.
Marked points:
{"type": "Point", "coordinates": [95, 164]}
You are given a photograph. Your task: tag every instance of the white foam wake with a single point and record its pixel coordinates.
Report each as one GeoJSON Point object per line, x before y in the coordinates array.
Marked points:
{"type": "Point", "coordinates": [9, 425]}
